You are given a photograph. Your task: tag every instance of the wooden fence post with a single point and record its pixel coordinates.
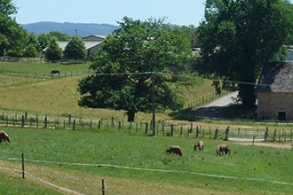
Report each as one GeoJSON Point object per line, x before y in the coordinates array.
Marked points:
{"type": "Point", "coordinates": [216, 134]}
{"type": "Point", "coordinates": [46, 120]}
{"type": "Point", "coordinates": [112, 121]}
{"type": "Point", "coordinates": [197, 132]}
{"type": "Point", "coordinates": [119, 125]}
{"type": "Point", "coordinates": [227, 133]}
{"type": "Point", "coordinates": [266, 134]}
{"type": "Point", "coordinates": [146, 127]}
{"type": "Point", "coordinates": [103, 187]}
{"type": "Point", "coordinates": [22, 121]}
{"type": "Point", "coordinates": [172, 129]}
{"type": "Point", "coordinates": [69, 119]}
{"type": "Point", "coordinates": [22, 165]}
{"type": "Point", "coordinates": [73, 125]}
{"type": "Point", "coordinates": [99, 124]}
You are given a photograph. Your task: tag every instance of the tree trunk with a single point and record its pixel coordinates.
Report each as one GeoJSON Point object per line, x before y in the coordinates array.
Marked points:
{"type": "Point", "coordinates": [247, 93]}
{"type": "Point", "coordinates": [130, 116]}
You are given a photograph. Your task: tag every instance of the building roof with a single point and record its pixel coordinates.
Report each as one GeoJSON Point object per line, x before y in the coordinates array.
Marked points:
{"type": "Point", "coordinates": [276, 77]}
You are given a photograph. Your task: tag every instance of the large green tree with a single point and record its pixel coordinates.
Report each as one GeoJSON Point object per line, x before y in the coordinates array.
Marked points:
{"type": "Point", "coordinates": [139, 57]}
{"type": "Point", "coordinates": [32, 45]}
{"type": "Point", "coordinates": [238, 36]}
{"type": "Point", "coordinates": [53, 52]}
{"type": "Point", "coordinates": [12, 36]}
{"type": "Point", "coordinates": [75, 49]}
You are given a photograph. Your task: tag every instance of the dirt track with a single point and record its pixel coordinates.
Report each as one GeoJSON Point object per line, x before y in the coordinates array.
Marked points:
{"type": "Point", "coordinates": [281, 145]}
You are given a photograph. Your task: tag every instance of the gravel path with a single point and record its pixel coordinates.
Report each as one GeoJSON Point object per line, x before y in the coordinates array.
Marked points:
{"type": "Point", "coordinates": [211, 110]}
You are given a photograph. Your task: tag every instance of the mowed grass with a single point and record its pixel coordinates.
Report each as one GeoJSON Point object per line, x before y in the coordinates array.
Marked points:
{"type": "Point", "coordinates": [129, 164]}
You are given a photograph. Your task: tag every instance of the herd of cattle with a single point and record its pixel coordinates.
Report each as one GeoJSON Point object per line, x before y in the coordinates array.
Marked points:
{"type": "Point", "coordinates": [221, 149]}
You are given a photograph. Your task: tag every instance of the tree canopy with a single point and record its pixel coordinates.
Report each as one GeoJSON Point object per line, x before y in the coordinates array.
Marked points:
{"type": "Point", "coordinates": [238, 36]}
{"type": "Point", "coordinates": [139, 57]}
{"type": "Point", "coordinates": [75, 49]}
{"type": "Point", "coordinates": [53, 52]}
{"type": "Point", "coordinates": [12, 36]}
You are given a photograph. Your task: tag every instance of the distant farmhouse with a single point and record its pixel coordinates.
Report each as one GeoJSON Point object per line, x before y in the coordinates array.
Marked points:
{"type": "Point", "coordinates": [275, 90]}
{"type": "Point", "coordinates": [91, 42]}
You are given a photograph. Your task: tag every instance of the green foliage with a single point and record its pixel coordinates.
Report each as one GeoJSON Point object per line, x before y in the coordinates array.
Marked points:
{"type": "Point", "coordinates": [53, 52]}
{"type": "Point", "coordinates": [31, 49]}
{"type": "Point", "coordinates": [44, 40]}
{"type": "Point", "coordinates": [139, 57]}
{"type": "Point", "coordinates": [191, 31]}
{"type": "Point", "coordinates": [59, 36]}
{"type": "Point", "coordinates": [12, 36]}
{"type": "Point", "coordinates": [75, 49]}
{"type": "Point", "coordinates": [237, 37]}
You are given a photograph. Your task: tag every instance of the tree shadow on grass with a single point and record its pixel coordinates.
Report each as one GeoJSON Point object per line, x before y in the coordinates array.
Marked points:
{"type": "Point", "coordinates": [231, 112]}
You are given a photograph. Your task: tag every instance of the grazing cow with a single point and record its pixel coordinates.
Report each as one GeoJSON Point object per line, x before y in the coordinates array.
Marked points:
{"type": "Point", "coordinates": [4, 137]}
{"type": "Point", "coordinates": [223, 148]}
{"type": "Point", "coordinates": [199, 145]}
{"type": "Point", "coordinates": [174, 150]}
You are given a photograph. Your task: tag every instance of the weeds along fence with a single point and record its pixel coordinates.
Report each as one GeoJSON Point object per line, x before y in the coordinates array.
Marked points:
{"type": "Point", "coordinates": [162, 128]}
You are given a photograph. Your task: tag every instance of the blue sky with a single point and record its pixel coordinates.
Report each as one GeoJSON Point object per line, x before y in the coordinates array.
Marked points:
{"type": "Point", "coordinates": [188, 12]}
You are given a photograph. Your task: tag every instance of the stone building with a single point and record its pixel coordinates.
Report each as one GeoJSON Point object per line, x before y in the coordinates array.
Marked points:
{"type": "Point", "coordinates": [275, 91]}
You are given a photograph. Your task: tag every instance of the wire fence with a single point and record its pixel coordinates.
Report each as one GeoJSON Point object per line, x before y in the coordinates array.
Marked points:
{"type": "Point", "coordinates": [105, 190]}
{"type": "Point", "coordinates": [162, 128]}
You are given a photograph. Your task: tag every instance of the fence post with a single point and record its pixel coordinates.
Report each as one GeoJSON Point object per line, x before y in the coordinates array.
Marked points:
{"type": "Point", "coordinates": [22, 121]}
{"type": "Point", "coordinates": [46, 120]}
{"type": "Point", "coordinates": [73, 125]}
{"type": "Point", "coordinates": [112, 121]}
{"type": "Point", "coordinates": [181, 130]}
{"type": "Point", "coordinates": [197, 132]}
{"type": "Point", "coordinates": [99, 124]}
{"type": "Point", "coordinates": [227, 133]}
{"type": "Point", "coordinates": [216, 134]}
{"type": "Point", "coordinates": [25, 115]}
{"type": "Point", "coordinates": [103, 187]}
{"type": "Point", "coordinates": [172, 129]}
{"type": "Point", "coordinates": [266, 133]}
{"type": "Point", "coordinates": [146, 127]}
{"type": "Point", "coordinates": [69, 119]}
{"type": "Point", "coordinates": [119, 125]}
{"type": "Point", "coordinates": [22, 165]}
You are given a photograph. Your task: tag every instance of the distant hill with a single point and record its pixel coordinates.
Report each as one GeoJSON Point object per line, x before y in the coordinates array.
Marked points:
{"type": "Point", "coordinates": [71, 29]}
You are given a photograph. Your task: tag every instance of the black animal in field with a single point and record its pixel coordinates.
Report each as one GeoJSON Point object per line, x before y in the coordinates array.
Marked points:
{"type": "Point", "coordinates": [174, 150]}
{"type": "Point", "coordinates": [4, 137]}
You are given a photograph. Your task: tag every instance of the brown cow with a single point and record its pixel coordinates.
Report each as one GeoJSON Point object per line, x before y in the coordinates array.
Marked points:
{"type": "Point", "coordinates": [4, 136]}
{"type": "Point", "coordinates": [223, 148]}
{"type": "Point", "coordinates": [199, 145]}
{"type": "Point", "coordinates": [174, 150]}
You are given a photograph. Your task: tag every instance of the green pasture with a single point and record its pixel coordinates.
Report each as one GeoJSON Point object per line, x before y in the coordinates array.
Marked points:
{"type": "Point", "coordinates": [58, 96]}
{"type": "Point", "coordinates": [66, 158]}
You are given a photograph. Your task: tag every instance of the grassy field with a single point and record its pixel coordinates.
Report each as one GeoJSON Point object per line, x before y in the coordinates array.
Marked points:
{"type": "Point", "coordinates": [75, 162]}
{"type": "Point", "coordinates": [79, 160]}
{"type": "Point", "coordinates": [59, 96]}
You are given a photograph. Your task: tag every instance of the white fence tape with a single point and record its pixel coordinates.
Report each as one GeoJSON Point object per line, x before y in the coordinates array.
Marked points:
{"type": "Point", "coordinates": [157, 170]}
